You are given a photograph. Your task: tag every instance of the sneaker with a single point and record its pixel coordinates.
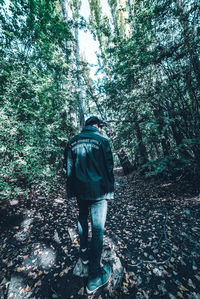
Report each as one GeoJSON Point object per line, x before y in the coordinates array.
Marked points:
{"type": "Point", "coordinates": [84, 257]}
{"type": "Point", "coordinates": [95, 283]}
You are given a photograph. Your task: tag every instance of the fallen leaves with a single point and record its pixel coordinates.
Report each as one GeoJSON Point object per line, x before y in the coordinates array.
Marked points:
{"type": "Point", "coordinates": [20, 269]}
{"type": "Point", "coordinates": [27, 289]}
{"type": "Point", "coordinates": [38, 284]}
{"type": "Point", "coordinates": [182, 288]}
{"type": "Point", "coordinates": [63, 272]}
{"type": "Point", "coordinates": [180, 295]}
{"type": "Point", "coordinates": [163, 253]}
{"type": "Point", "coordinates": [191, 284]}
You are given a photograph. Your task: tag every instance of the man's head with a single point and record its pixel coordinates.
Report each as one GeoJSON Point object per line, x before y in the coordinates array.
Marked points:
{"type": "Point", "coordinates": [95, 121]}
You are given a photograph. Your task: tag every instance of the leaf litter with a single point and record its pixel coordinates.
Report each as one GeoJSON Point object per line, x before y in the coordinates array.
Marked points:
{"type": "Point", "coordinates": [153, 227]}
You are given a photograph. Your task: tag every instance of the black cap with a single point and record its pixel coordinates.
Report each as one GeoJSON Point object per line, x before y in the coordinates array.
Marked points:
{"type": "Point", "coordinates": [94, 120]}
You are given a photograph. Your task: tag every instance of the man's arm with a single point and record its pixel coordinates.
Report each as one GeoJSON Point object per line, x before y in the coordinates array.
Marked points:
{"type": "Point", "coordinates": [109, 160]}
{"type": "Point", "coordinates": [65, 160]}
{"type": "Point", "coordinates": [68, 164]}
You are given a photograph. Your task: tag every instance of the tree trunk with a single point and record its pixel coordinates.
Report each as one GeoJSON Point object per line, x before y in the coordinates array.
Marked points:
{"type": "Point", "coordinates": [65, 18]}
{"type": "Point", "coordinates": [164, 139]}
{"type": "Point", "coordinates": [189, 37]}
{"type": "Point", "coordinates": [115, 17]}
{"type": "Point", "coordinates": [178, 137]}
{"type": "Point", "coordinates": [79, 83]}
{"type": "Point", "coordinates": [77, 58]}
{"type": "Point", "coordinates": [79, 93]}
{"type": "Point", "coordinates": [121, 154]}
{"type": "Point", "coordinates": [141, 147]}
{"type": "Point", "coordinates": [64, 10]}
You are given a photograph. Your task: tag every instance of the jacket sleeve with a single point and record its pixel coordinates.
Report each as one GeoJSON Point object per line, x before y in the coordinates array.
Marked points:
{"type": "Point", "coordinates": [65, 160]}
{"type": "Point", "coordinates": [68, 165]}
{"type": "Point", "coordinates": [109, 161]}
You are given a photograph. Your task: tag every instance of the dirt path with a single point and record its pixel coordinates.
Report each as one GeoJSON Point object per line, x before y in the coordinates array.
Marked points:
{"type": "Point", "coordinates": [154, 226]}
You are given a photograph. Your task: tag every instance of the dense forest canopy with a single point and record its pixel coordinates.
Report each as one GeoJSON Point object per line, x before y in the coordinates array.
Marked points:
{"type": "Point", "coordinates": [148, 91]}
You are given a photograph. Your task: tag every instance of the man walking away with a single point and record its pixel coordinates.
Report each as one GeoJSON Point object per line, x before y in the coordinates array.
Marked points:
{"type": "Point", "coordinates": [89, 168]}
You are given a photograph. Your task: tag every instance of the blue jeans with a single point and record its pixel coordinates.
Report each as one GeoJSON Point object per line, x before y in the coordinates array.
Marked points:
{"type": "Point", "coordinates": [98, 210]}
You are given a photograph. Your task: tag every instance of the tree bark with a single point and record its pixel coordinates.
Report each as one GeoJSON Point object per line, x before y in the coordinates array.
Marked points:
{"type": "Point", "coordinates": [79, 93]}
{"type": "Point", "coordinates": [189, 37]}
{"type": "Point", "coordinates": [141, 147]}
{"type": "Point", "coordinates": [164, 139]}
{"type": "Point", "coordinates": [79, 83]}
{"type": "Point", "coordinates": [64, 10]}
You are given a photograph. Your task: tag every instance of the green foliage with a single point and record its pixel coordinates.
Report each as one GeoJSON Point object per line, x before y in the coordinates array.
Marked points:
{"type": "Point", "coordinates": [152, 86]}
{"type": "Point", "coordinates": [34, 69]}
{"type": "Point", "coordinates": [167, 166]}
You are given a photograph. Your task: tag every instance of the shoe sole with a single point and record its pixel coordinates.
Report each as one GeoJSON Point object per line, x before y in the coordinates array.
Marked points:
{"type": "Point", "coordinates": [85, 262]}
{"type": "Point", "coordinates": [92, 292]}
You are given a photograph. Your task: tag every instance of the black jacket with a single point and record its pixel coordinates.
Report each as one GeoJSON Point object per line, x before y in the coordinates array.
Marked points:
{"type": "Point", "coordinates": [89, 166]}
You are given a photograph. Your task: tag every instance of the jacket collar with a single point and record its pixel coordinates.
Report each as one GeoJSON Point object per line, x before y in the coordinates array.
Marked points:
{"type": "Point", "coordinates": [90, 128]}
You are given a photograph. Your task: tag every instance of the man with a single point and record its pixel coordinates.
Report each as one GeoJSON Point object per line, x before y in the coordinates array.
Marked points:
{"type": "Point", "coordinates": [89, 167]}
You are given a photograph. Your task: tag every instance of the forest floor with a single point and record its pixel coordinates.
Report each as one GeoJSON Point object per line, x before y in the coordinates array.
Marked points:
{"type": "Point", "coordinates": [155, 226]}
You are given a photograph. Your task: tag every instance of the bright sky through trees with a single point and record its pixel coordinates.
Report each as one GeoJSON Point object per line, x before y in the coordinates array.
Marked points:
{"type": "Point", "coordinates": [88, 46]}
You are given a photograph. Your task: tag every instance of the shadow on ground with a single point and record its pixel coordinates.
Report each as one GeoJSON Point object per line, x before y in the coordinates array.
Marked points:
{"type": "Point", "coordinates": [154, 228]}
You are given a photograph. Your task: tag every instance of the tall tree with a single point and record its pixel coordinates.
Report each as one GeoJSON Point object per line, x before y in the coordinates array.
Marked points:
{"type": "Point", "coordinates": [33, 72]}
{"type": "Point", "coordinates": [75, 14]}
{"type": "Point", "coordinates": [153, 81]}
